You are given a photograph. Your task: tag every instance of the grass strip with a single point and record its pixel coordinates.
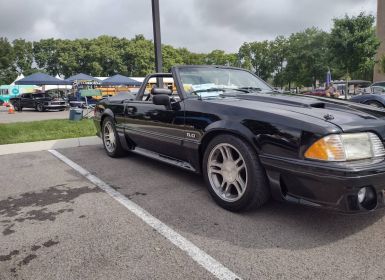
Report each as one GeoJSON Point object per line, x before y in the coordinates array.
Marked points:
{"type": "Point", "coordinates": [22, 132]}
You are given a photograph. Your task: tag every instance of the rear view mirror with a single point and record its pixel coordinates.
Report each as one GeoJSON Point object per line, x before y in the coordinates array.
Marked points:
{"type": "Point", "coordinates": [162, 99]}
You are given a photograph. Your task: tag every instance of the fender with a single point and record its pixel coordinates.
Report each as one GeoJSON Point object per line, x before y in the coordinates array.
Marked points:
{"type": "Point", "coordinates": [107, 112]}
{"type": "Point", "coordinates": [197, 148]}
{"type": "Point", "coordinates": [228, 126]}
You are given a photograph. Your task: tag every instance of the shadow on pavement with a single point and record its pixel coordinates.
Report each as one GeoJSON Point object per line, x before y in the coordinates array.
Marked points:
{"type": "Point", "coordinates": [180, 199]}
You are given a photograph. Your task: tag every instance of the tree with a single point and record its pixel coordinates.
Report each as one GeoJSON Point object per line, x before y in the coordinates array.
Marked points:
{"type": "Point", "coordinates": [7, 58]}
{"type": "Point", "coordinates": [46, 55]}
{"type": "Point", "coordinates": [279, 53]}
{"type": "Point", "coordinates": [219, 57]}
{"type": "Point", "coordinates": [258, 57]}
{"type": "Point", "coordinates": [353, 45]}
{"type": "Point", "coordinates": [171, 57]}
{"type": "Point", "coordinates": [307, 57]}
{"type": "Point", "coordinates": [23, 52]}
{"type": "Point", "coordinates": [191, 58]}
{"type": "Point", "coordinates": [139, 56]}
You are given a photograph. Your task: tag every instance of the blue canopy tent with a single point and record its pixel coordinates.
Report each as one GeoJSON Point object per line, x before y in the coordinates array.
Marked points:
{"type": "Point", "coordinates": [41, 79]}
{"type": "Point", "coordinates": [120, 80]}
{"type": "Point", "coordinates": [82, 81]}
{"type": "Point", "coordinates": [82, 77]}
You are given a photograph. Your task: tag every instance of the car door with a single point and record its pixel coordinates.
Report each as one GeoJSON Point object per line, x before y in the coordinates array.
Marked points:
{"type": "Point", "coordinates": [155, 127]}
{"type": "Point", "coordinates": [27, 101]}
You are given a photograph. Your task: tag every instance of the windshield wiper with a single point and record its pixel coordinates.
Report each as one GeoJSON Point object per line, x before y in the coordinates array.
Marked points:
{"type": "Point", "coordinates": [251, 89]}
{"type": "Point", "coordinates": [207, 90]}
{"type": "Point", "coordinates": [221, 89]}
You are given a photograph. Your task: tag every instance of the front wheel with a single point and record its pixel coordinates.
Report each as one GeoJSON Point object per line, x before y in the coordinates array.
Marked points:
{"type": "Point", "coordinates": [40, 107]}
{"type": "Point", "coordinates": [17, 107]}
{"type": "Point", "coordinates": [110, 138]}
{"type": "Point", "coordinates": [235, 178]}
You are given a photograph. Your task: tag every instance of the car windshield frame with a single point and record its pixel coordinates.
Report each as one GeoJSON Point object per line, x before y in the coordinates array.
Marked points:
{"type": "Point", "coordinates": [263, 87]}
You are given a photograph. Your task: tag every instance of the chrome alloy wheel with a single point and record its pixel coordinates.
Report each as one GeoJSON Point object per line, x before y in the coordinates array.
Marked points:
{"type": "Point", "coordinates": [109, 137]}
{"type": "Point", "coordinates": [227, 172]}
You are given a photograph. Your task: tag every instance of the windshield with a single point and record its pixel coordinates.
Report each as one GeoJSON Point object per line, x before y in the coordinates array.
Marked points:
{"type": "Point", "coordinates": [214, 81]}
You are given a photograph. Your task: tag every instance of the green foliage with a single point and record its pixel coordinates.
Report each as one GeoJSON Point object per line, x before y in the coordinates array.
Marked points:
{"type": "Point", "coordinates": [219, 57]}
{"type": "Point", "coordinates": [353, 44]}
{"type": "Point", "coordinates": [7, 58]}
{"type": "Point", "coordinates": [23, 52]}
{"type": "Point", "coordinates": [44, 130]}
{"type": "Point", "coordinates": [307, 57]}
{"type": "Point", "coordinates": [258, 57]}
{"type": "Point", "coordinates": [299, 60]}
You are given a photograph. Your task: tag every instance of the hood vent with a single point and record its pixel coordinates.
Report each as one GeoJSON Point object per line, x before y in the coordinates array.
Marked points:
{"type": "Point", "coordinates": [320, 105]}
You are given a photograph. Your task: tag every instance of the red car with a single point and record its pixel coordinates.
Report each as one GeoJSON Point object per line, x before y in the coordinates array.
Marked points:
{"type": "Point", "coordinates": [317, 92]}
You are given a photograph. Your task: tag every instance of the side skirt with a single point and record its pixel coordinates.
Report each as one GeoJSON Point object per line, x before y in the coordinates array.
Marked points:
{"type": "Point", "coordinates": [165, 159]}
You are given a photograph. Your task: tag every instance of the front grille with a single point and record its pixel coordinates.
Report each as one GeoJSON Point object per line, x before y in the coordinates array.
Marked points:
{"type": "Point", "coordinates": [58, 103]}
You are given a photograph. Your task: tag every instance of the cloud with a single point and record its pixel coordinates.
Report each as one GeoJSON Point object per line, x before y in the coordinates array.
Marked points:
{"type": "Point", "coordinates": [199, 25]}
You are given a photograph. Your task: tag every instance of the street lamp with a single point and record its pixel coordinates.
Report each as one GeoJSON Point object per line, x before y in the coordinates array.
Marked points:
{"type": "Point", "coordinates": [157, 39]}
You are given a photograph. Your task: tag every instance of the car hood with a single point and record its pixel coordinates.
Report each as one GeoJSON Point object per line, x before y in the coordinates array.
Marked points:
{"type": "Point", "coordinates": [347, 115]}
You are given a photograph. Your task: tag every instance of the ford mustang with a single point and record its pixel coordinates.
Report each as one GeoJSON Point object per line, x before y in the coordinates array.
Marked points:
{"type": "Point", "coordinates": [250, 142]}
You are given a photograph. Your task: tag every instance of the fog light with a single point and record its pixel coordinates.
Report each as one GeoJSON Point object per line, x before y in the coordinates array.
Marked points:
{"type": "Point", "coordinates": [367, 198]}
{"type": "Point", "coordinates": [361, 195]}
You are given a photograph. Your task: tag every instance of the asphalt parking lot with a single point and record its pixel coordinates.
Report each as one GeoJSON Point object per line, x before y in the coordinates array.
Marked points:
{"type": "Point", "coordinates": [28, 115]}
{"type": "Point", "coordinates": [55, 224]}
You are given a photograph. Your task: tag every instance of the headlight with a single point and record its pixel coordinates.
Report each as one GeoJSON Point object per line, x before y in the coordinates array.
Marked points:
{"type": "Point", "coordinates": [346, 147]}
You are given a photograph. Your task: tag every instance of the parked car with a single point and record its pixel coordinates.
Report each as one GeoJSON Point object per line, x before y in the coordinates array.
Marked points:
{"type": "Point", "coordinates": [251, 143]}
{"type": "Point", "coordinates": [316, 92]}
{"type": "Point", "coordinates": [38, 101]}
{"type": "Point", "coordinates": [323, 93]}
{"type": "Point", "coordinates": [377, 89]}
{"type": "Point", "coordinates": [80, 102]}
{"type": "Point", "coordinates": [376, 99]}
{"type": "Point", "coordinates": [378, 84]}
{"type": "Point", "coordinates": [356, 87]}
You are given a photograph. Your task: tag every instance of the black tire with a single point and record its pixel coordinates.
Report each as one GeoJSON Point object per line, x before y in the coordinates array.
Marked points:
{"type": "Point", "coordinates": [40, 107]}
{"type": "Point", "coordinates": [374, 104]}
{"type": "Point", "coordinates": [17, 107]}
{"type": "Point", "coordinates": [117, 149]}
{"type": "Point", "coordinates": [256, 191]}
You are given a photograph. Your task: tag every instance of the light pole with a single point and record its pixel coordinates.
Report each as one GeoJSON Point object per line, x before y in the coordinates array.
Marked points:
{"type": "Point", "coordinates": [157, 39]}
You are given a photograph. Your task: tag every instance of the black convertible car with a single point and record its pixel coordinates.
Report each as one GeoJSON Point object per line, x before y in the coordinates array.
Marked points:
{"type": "Point", "coordinates": [251, 143]}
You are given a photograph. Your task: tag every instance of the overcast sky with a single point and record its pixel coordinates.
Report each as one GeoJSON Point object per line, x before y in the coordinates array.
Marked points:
{"type": "Point", "coordinates": [199, 25]}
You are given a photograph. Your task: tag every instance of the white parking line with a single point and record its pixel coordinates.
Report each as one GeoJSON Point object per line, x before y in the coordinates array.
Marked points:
{"type": "Point", "coordinates": [198, 255]}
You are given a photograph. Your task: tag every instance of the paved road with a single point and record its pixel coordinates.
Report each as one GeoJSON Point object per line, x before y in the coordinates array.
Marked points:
{"type": "Point", "coordinates": [279, 241]}
{"type": "Point", "coordinates": [56, 225]}
{"type": "Point", "coordinates": [28, 115]}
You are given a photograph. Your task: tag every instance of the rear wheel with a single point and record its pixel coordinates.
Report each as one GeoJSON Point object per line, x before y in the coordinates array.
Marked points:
{"type": "Point", "coordinates": [110, 138]}
{"type": "Point", "coordinates": [374, 104]}
{"type": "Point", "coordinates": [235, 178]}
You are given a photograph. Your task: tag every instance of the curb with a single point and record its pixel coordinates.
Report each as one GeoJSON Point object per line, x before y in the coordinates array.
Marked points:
{"type": "Point", "coordinates": [48, 145]}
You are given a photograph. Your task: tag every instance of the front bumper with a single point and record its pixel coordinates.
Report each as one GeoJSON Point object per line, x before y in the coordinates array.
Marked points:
{"type": "Point", "coordinates": [325, 185]}
{"type": "Point", "coordinates": [55, 107]}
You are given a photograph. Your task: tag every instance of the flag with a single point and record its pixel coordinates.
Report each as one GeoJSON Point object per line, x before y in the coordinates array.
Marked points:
{"type": "Point", "coordinates": [328, 78]}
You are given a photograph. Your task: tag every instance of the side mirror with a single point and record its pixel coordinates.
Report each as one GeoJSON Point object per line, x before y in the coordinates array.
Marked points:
{"type": "Point", "coordinates": [162, 99]}
{"type": "Point", "coordinates": [157, 91]}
